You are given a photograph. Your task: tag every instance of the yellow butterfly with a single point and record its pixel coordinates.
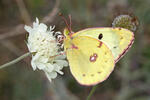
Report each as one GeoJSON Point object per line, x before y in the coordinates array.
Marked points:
{"type": "Point", "coordinates": [93, 52]}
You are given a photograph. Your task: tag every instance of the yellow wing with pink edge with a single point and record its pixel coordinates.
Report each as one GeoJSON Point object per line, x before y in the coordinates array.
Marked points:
{"type": "Point", "coordinates": [119, 40]}
{"type": "Point", "coordinates": [90, 60]}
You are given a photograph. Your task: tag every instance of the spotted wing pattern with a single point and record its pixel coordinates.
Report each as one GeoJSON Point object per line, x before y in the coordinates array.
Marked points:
{"type": "Point", "coordinates": [90, 60]}
{"type": "Point", "coordinates": [119, 40]}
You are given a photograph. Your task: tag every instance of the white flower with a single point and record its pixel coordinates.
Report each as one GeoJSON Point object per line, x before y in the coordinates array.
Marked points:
{"type": "Point", "coordinates": [44, 47]}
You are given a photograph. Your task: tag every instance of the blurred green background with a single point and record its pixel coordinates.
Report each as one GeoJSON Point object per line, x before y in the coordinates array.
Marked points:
{"type": "Point", "coordinates": [129, 81]}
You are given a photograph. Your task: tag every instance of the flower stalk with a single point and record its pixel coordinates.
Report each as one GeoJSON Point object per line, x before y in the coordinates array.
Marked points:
{"type": "Point", "coordinates": [92, 92]}
{"type": "Point", "coordinates": [15, 60]}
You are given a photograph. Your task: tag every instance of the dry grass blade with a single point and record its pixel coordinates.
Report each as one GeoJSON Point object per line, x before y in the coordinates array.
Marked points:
{"type": "Point", "coordinates": [19, 29]}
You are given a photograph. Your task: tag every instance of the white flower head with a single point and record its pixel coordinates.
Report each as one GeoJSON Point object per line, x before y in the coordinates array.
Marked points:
{"type": "Point", "coordinates": [42, 43]}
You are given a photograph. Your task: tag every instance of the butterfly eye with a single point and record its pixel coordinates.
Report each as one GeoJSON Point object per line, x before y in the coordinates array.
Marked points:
{"type": "Point", "coordinates": [100, 36]}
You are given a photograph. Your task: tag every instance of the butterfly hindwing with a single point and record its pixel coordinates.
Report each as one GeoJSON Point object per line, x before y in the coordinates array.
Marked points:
{"type": "Point", "coordinates": [90, 60]}
{"type": "Point", "coordinates": [119, 40]}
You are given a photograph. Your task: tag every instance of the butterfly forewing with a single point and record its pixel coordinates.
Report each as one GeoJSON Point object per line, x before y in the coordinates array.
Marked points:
{"type": "Point", "coordinates": [118, 40]}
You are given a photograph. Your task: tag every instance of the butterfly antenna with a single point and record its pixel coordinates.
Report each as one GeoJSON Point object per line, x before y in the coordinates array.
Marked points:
{"type": "Point", "coordinates": [70, 22]}
{"type": "Point", "coordinates": [64, 19]}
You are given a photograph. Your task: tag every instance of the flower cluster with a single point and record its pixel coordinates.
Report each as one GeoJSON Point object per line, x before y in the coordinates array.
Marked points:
{"type": "Point", "coordinates": [45, 50]}
{"type": "Point", "coordinates": [126, 21]}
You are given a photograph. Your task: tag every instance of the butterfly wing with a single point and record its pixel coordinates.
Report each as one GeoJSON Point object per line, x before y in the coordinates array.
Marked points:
{"type": "Point", "coordinates": [119, 40]}
{"type": "Point", "coordinates": [90, 60]}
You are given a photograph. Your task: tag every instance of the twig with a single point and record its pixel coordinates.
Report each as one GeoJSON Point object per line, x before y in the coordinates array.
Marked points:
{"type": "Point", "coordinates": [27, 19]}
{"type": "Point", "coordinates": [15, 60]}
{"type": "Point", "coordinates": [19, 29]}
{"type": "Point", "coordinates": [92, 92]}
{"type": "Point", "coordinates": [59, 90]}
{"type": "Point", "coordinates": [50, 17]}
{"type": "Point", "coordinates": [23, 11]}
{"type": "Point", "coordinates": [13, 48]}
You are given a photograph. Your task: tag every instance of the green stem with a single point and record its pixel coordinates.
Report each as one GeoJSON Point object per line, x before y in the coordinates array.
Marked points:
{"type": "Point", "coordinates": [15, 60]}
{"type": "Point", "coordinates": [92, 92]}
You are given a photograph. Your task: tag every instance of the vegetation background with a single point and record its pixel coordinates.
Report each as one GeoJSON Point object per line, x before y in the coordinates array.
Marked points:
{"type": "Point", "coordinates": [130, 79]}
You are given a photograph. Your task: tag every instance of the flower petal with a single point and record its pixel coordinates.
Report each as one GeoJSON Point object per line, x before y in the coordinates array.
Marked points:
{"type": "Point", "coordinates": [61, 62]}
{"type": "Point", "coordinates": [60, 57]}
{"type": "Point", "coordinates": [27, 28]}
{"type": "Point", "coordinates": [44, 44]}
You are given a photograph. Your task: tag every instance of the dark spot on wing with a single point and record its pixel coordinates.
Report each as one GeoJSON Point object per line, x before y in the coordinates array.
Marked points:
{"type": "Point", "coordinates": [92, 75]}
{"type": "Point", "coordinates": [114, 47]}
{"type": "Point", "coordinates": [100, 44]}
{"type": "Point", "coordinates": [93, 57]}
{"type": "Point", "coordinates": [100, 36]}
{"type": "Point", "coordinates": [98, 72]}
{"type": "Point", "coordinates": [74, 46]}
{"type": "Point", "coordinates": [83, 75]}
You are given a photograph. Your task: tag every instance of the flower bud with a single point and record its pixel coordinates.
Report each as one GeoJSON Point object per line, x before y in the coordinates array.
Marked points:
{"type": "Point", "coordinates": [126, 21]}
